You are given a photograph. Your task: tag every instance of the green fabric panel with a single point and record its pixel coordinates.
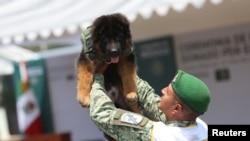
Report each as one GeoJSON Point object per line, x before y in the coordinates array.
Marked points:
{"type": "Point", "coordinates": [156, 61]}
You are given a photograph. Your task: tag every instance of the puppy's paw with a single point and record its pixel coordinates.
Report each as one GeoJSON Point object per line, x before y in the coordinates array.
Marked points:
{"type": "Point", "coordinates": [131, 97]}
{"type": "Point", "coordinates": [84, 101]}
{"type": "Point", "coordinates": [131, 100]}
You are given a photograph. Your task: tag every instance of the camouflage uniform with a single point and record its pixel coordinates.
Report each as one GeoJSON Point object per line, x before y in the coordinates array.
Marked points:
{"type": "Point", "coordinates": [101, 105]}
{"type": "Point", "coordinates": [124, 125]}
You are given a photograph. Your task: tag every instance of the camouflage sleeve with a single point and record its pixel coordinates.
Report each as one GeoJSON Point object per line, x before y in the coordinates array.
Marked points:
{"type": "Point", "coordinates": [149, 100]}
{"type": "Point", "coordinates": [119, 124]}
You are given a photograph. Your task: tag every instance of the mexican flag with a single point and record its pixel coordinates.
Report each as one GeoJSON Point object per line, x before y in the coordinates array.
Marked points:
{"type": "Point", "coordinates": [28, 111]}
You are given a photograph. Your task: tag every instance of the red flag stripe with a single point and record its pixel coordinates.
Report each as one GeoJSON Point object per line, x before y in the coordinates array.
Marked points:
{"type": "Point", "coordinates": [35, 127]}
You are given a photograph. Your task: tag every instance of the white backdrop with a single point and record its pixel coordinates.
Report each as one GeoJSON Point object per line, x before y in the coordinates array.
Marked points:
{"type": "Point", "coordinates": [224, 53]}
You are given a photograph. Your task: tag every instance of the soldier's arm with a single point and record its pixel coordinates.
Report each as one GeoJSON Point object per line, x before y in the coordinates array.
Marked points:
{"type": "Point", "coordinates": [149, 100]}
{"type": "Point", "coordinates": [119, 124]}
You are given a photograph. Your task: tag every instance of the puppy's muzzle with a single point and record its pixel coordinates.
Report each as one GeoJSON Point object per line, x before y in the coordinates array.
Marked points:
{"type": "Point", "coordinates": [113, 49]}
{"type": "Point", "coordinates": [113, 52]}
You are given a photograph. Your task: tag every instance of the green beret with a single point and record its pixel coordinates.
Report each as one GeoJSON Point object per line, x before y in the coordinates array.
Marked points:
{"type": "Point", "coordinates": [192, 91]}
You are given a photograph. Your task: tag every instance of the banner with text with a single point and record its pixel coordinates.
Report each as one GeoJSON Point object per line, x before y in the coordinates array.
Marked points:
{"type": "Point", "coordinates": [216, 48]}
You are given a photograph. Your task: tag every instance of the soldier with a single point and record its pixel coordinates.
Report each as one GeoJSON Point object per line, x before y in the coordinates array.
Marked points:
{"type": "Point", "coordinates": [174, 116]}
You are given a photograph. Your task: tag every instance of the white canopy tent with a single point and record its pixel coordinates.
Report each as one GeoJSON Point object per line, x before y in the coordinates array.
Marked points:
{"type": "Point", "coordinates": [45, 22]}
{"type": "Point", "coordinates": [31, 20]}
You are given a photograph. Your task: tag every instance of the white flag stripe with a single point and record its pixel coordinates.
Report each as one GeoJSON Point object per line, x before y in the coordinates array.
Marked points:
{"type": "Point", "coordinates": [23, 72]}
{"type": "Point", "coordinates": [27, 116]}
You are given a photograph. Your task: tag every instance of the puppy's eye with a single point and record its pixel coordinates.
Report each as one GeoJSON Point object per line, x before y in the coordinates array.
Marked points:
{"type": "Point", "coordinates": [118, 38]}
{"type": "Point", "coordinates": [103, 48]}
{"type": "Point", "coordinates": [105, 40]}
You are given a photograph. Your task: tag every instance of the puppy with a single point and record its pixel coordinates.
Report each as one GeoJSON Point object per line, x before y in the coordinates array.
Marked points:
{"type": "Point", "coordinates": [108, 43]}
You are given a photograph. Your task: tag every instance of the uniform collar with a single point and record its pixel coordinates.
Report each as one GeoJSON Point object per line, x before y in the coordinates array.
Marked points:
{"type": "Point", "coordinates": [178, 123]}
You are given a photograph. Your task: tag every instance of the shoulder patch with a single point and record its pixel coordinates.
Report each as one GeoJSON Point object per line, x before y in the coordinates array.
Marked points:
{"type": "Point", "coordinates": [131, 118]}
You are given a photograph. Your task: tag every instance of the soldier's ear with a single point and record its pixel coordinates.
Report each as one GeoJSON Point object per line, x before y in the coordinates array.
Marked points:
{"type": "Point", "coordinates": [178, 108]}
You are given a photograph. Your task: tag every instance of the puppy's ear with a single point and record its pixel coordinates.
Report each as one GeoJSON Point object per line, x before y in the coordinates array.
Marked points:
{"type": "Point", "coordinates": [124, 24]}
{"type": "Point", "coordinates": [122, 18]}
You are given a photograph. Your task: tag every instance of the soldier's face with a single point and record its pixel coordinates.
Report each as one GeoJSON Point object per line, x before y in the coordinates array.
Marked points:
{"type": "Point", "coordinates": [168, 100]}
{"type": "Point", "coordinates": [169, 103]}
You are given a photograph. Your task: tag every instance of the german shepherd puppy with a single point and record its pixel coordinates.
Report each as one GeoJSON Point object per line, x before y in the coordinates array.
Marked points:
{"type": "Point", "coordinates": [108, 42]}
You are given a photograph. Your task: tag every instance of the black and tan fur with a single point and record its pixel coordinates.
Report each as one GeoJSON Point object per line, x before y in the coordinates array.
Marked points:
{"type": "Point", "coordinates": [110, 38]}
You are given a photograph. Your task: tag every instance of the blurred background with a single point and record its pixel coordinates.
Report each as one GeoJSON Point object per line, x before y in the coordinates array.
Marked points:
{"type": "Point", "coordinates": [40, 41]}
